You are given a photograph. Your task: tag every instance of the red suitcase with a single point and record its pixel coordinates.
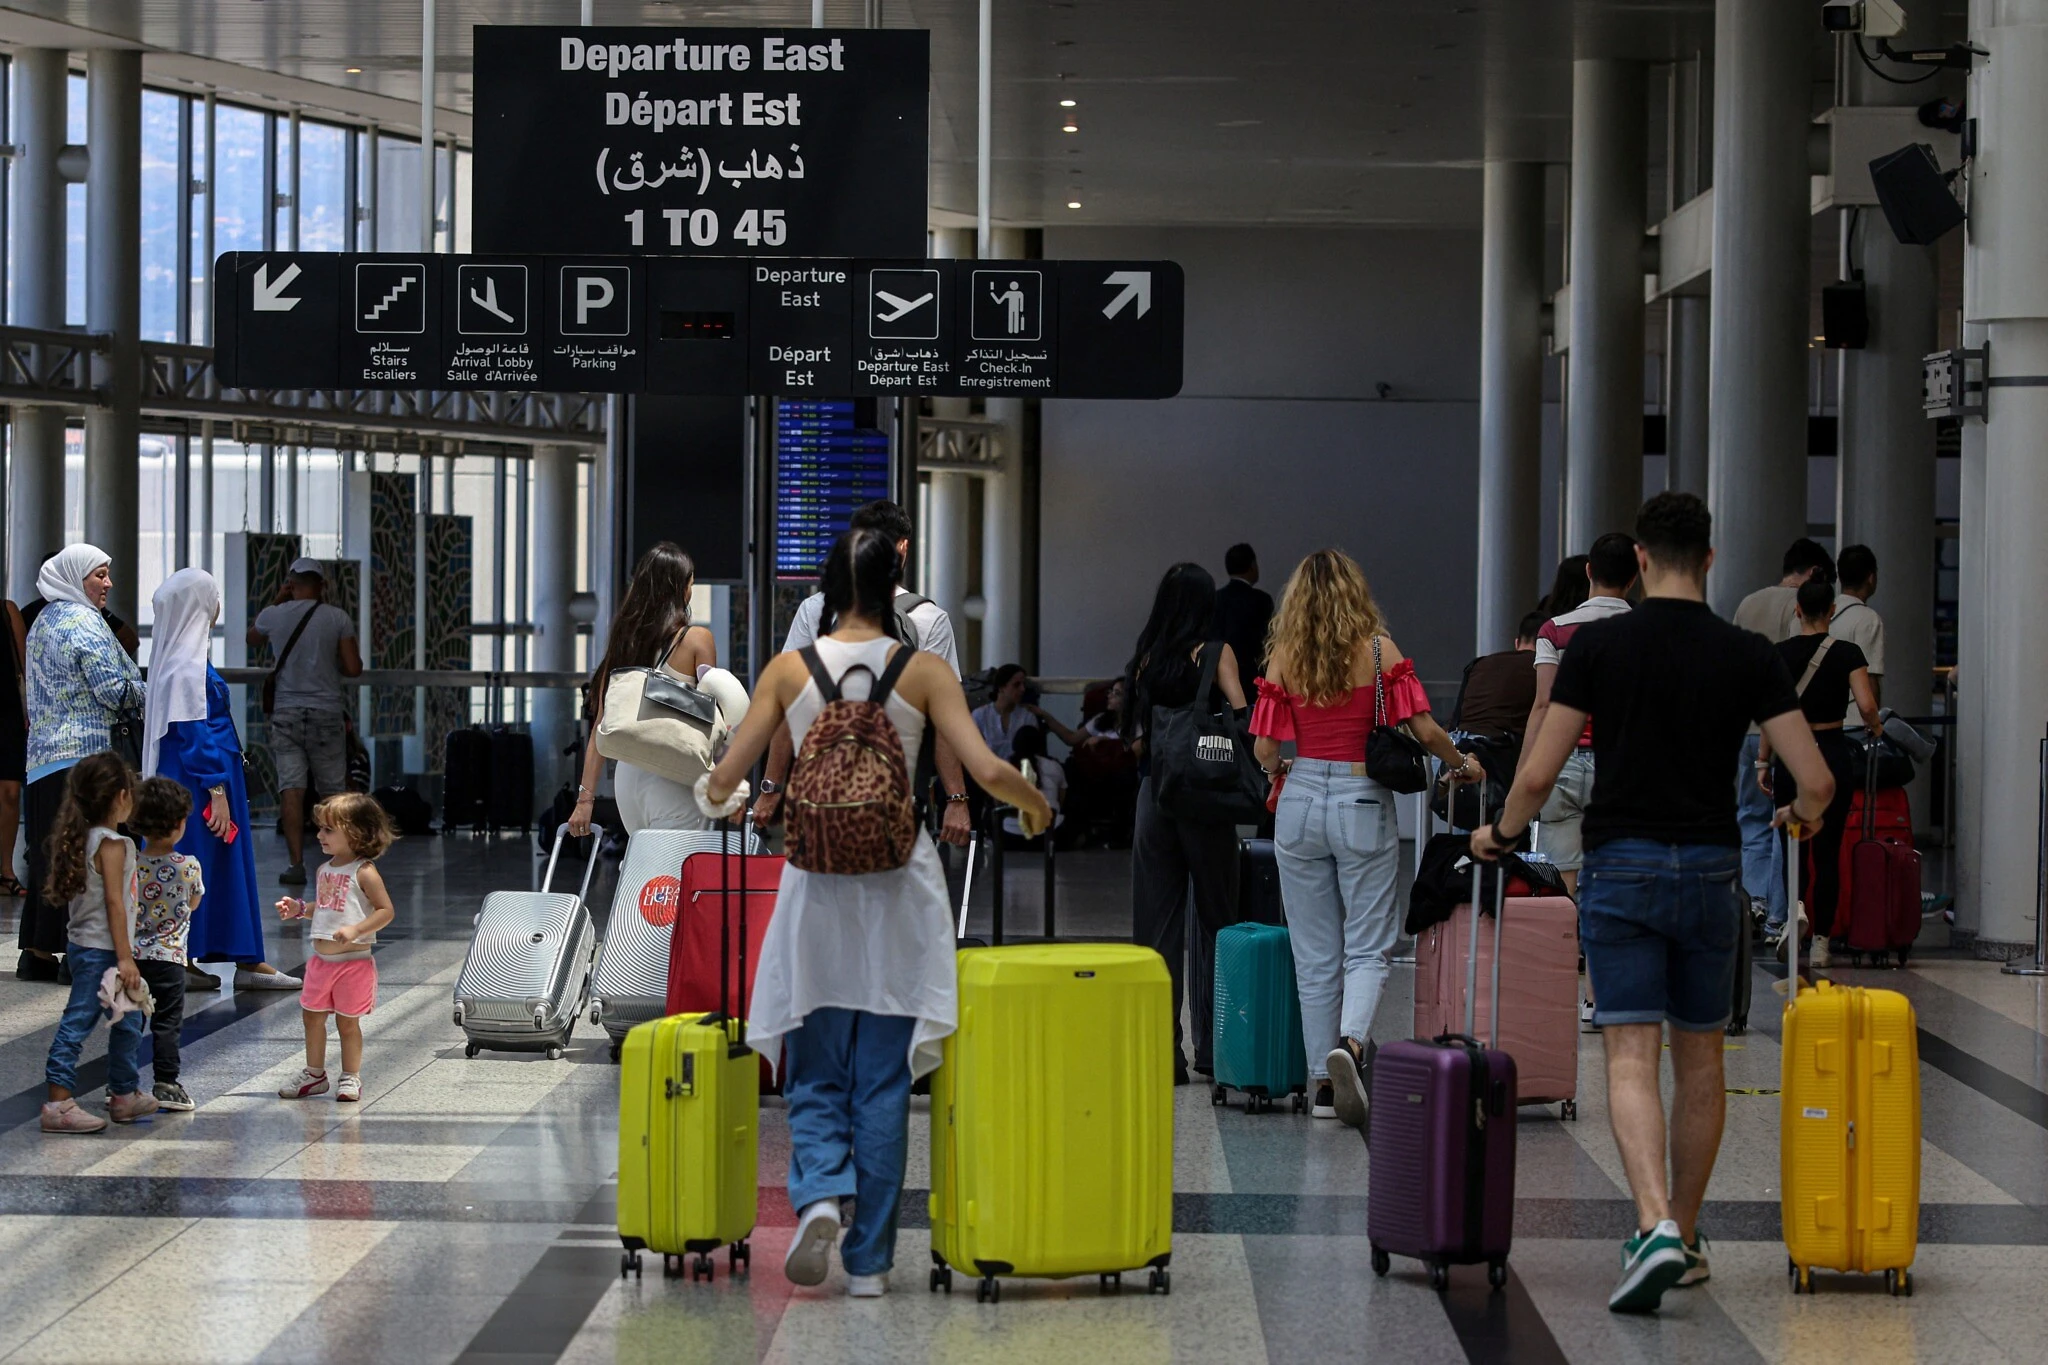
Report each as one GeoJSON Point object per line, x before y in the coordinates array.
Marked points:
{"type": "Point", "coordinates": [702, 940]}
{"type": "Point", "coordinates": [1879, 910]}
{"type": "Point", "coordinates": [1441, 1183]}
{"type": "Point", "coordinates": [1539, 991]}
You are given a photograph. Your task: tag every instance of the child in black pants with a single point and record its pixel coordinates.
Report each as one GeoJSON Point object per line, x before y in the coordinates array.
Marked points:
{"type": "Point", "coordinates": [167, 892]}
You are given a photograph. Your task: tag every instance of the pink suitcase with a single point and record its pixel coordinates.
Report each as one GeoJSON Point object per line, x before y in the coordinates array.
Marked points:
{"type": "Point", "coordinates": [1539, 992]}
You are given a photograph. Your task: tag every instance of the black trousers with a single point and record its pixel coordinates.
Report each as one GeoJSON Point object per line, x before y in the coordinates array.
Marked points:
{"type": "Point", "coordinates": [1823, 852]}
{"type": "Point", "coordinates": [166, 982]}
{"type": "Point", "coordinates": [1176, 864]}
{"type": "Point", "coordinates": [42, 925]}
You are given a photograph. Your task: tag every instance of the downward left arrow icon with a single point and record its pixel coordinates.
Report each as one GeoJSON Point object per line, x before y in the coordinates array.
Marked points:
{"type": "Point", "coordinates": [270, 293]}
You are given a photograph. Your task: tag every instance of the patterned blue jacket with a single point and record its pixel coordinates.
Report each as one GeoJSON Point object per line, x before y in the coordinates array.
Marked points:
{"type": "Point", "coordinates": [79, 681]}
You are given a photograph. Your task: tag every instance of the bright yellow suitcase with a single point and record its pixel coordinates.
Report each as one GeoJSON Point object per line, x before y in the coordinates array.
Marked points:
{"type": "Point", "coordinates": [1052, 1118]}
{"type": "Point", "coordinates": [1849, 1107]}
{"type": "Point", "coordinates": [689, 1107]}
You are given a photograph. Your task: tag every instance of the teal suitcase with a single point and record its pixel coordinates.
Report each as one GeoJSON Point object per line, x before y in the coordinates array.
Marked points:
{"type": "Point", "coordinates": [1257, 1043]}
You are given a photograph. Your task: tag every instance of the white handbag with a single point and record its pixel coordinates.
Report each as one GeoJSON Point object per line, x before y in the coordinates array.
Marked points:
{"type": "Point", "coordinates": [668, 725]}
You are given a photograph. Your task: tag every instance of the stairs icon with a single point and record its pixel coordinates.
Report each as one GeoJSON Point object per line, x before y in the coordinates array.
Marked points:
{"type": "Point", "coordinates": [404, 283]}
{"type": "Point", "coordinates": [391, 298]}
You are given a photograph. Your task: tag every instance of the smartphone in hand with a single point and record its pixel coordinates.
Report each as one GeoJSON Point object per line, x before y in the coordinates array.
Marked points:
{"type": "Point", "coordinates": [234, 831]}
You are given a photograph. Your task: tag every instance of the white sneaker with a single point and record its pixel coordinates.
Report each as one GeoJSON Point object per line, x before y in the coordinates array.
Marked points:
{"type": "Point", "coordinates": [1586, 1024]}
{"type": "Point", "coordinates": [1820, 956]}
{"type": "Point", "coordinates": [1347, 1088]}
{"type": "Point", "coordinates": [246, 980]}
{"type": "Point", "coordinates": [810, 1247]}
{"type": "Point", "coordinates": [866, 1286]}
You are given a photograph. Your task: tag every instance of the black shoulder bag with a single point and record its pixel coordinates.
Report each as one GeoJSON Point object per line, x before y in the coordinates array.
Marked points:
{"type": "Point", "coordinates": [1393, 758]}
{"type": "Point", "coordinates": [270, 679]}
{"type": "Point", "coordinates": [1203, 768]}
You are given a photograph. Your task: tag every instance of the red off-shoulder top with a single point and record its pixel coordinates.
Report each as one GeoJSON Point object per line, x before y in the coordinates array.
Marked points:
{"type": "Point", "coordinates": [1336, 733]}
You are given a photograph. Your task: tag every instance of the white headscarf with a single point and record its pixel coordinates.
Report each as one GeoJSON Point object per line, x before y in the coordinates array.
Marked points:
{"type": "Point", "coordinates": [62, 577]}
{"type": "Point", "coordinates": [181, 645]}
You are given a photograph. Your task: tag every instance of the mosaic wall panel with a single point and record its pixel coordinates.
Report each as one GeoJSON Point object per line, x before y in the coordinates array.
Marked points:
{"type": "Point", "coordinates": [450, 596]}
{"type": "Point", "coordinates": [393, 499]}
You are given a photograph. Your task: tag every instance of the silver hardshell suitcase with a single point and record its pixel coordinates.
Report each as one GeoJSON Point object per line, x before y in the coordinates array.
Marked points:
{"type": "Point", "coordinates": [527, 971]}
{"type": "Point", "coordinates": [630, 985]}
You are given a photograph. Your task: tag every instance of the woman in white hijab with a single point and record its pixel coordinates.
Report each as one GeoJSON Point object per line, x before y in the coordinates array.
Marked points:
{"type": "Point", "coordinates": [80, 682]}
{"type": "Point", "coordinates": [188, 735]}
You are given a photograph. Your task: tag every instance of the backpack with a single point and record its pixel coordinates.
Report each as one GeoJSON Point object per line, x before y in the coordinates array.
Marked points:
{"type": "Point", "coordinates": [848, 806]}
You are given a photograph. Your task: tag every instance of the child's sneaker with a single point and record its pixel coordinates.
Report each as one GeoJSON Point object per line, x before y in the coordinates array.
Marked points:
{"type": "Point", "coordinates": [305, 1085]}
{"type": "Point", "coordinates": [65, 1116]}
{"type": "Point", "coordinates": [349, 1088]}
{"type": "Point", "coordinates": [128, 1108]}
{"type": "Point", "coordinates": [171, 1096]}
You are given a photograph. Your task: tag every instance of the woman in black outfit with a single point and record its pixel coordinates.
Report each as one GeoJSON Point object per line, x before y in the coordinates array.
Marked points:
{"type": "Point", "coordinates": [1825, 688]}
{"type": "Point", "coordinates": [1169, 855]}
{"type": "Point", "coordinates": [13, 739]}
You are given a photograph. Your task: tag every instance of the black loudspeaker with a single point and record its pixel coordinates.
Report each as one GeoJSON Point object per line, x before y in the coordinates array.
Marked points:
{"type": "Point", "coordinates": [1915, 196]}
{"type": "Point", "coordinates": [1844, 316]}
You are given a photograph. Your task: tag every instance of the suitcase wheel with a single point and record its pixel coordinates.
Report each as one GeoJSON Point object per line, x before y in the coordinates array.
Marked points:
{"type": "Point", "coordinates": [1161, 1282]}
{"type": "Point", "coordinates": [1802, 1280]}
{"type": "Point", "coordinates": [702, 1267]}
{"type": "Point", "coordinates": [990, 1290]}
{"type": "Point", "coordinates": [1569, 1110]}
{"type": "Point", "coordinates": [1497, 1274]}
{"type": "Point", "coordinates": [1381, 1261]}
{"type": "Point", "coordinates": [1300, 1102]}
{"type": "Point", "coordinates": [555, 1053]}
{"type": "Point", "coordinates": [740, 1261]}
{"type": "Point", "coordinates": [671, 1267]}
{"type": "Point", "coordinates": [1439, 1277]}
{"type": "Point", "coordinates": [1737, 1027]}
{"type": "Point", "coordinates": [1903, 954]}
{"type": "Point", "coordinates": [618, 1045]}
{"type": "Point", "coordinates": [1899, 1283]}
{"type": "Point", "coordinates": [629, 1264]}
{"type": "Point", "coordinates": [942, 1278]}
{"type": "Point", "coordinates": [1112, 1284]}
{"type": "Point", "coordinates": [1218, 1096]}
{"type": "Point", "coordinates": [470, 1049]}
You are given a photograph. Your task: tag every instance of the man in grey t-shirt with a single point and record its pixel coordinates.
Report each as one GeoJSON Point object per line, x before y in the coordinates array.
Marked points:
{"type": "Point", "coordinates": [309, 710]}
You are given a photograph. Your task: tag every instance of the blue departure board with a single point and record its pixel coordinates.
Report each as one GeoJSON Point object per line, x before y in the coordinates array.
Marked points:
{"type": "Point", "coordinates": [825, 467]}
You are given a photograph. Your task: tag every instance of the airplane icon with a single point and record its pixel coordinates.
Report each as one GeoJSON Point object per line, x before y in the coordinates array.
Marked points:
{"type": "Point", "coordinates": [488, 300]}
{"type": "Point", "coordinates": [900, 306]}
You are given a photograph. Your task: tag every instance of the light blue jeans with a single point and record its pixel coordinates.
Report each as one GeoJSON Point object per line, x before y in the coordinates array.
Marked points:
{"type": "Point", "coordinates": [1763, 855]}
{"type": "Point", "coordinates": [848, 1090]}
{"type": "Point", "coordinates": [81, 1012]}
{"type": "Point", "coordinates": [1338, 846]}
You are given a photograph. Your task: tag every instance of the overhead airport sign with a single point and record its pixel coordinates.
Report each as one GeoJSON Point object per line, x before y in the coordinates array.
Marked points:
{"type": "Point", "coordinates": [824, 328]}
{"type": "Point", "coordinates": [711, 141]}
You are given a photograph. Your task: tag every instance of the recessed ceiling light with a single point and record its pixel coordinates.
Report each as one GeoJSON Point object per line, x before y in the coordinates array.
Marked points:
{"type": "Point", "coordinates": [1066, 104]}
{"type": "Point", "coordinates": [1073, 203]}
{"type": "Point", "coordinates": [353, 70]}
{"type": "Point", "coordinates": [1070, 128]}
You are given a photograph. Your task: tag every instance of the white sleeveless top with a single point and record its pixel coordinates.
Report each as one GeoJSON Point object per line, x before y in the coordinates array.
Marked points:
{"type": "Point", "coordinates": [881, 943]}
{"type": "Point", "coordinates": [338, 900]}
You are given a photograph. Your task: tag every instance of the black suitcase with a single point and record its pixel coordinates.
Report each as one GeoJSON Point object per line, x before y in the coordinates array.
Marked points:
{"type": "Point", "coordinates": [465, 779]}
{"type": "Point", "coordinates": [1745, 948]}
{"type": "Point", "coordinates": [511, 794]}
{"type": "Point", "coordinates": [1258, 884]}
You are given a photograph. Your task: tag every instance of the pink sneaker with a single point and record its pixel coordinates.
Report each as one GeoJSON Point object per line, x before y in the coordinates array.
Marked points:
{"type": "Point", "coordinates": [305, 1085]}
{"type": "Point", "coordinates": [64, 1116]}
{"type": "Point", "coordinates": [128, 1108]}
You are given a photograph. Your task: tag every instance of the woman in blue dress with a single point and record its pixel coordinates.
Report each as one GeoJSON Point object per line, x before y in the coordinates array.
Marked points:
{"type": "Point", "coordinates": [188, 735]}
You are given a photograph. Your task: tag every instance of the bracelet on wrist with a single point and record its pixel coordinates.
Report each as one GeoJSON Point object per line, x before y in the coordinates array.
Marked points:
{"type": "Point", "coordinates": [953, 797]}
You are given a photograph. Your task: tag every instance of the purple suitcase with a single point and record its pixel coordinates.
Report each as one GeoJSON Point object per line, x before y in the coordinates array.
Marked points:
{"type": "Point", "coordinates": [1442, 1134]}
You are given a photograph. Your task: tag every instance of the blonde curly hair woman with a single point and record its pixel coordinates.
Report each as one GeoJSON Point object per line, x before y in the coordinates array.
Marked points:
{"type": "Point", "coordinates": [1329, 661]}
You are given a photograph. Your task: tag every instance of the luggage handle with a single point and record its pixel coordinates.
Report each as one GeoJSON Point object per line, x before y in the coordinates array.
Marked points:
{"type": "Point", "coordinates": [1792, 915]}
{"type": "Point", "coordinates": [1500, 891]}
{"type": "Point", "coordinates": [547, 878]}
{"type": "Point", "coordinates": [967, 884]}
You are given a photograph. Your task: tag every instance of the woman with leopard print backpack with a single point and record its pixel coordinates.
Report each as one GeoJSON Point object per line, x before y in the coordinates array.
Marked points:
{"type": "Point", "coordinates": [856, 982]}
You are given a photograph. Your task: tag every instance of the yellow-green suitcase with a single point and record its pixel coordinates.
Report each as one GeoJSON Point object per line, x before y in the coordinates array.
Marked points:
{"type": "Point", "coordinates": [1052, 1118]}
{"type": "Point", "coordinates": [689, 1120]}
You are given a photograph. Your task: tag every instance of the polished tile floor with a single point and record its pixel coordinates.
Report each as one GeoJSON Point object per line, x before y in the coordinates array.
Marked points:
{"type": "Point", "coordinates": [463, 1212]}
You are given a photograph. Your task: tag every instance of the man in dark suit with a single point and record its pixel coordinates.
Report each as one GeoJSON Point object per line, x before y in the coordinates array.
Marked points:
{"type": "Point", "coordinates": [1243, 612]}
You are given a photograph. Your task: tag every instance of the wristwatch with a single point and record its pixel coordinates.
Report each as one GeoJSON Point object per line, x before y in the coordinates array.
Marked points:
{"type": "Point", "coordinates": [770, 787]}
{"type": "Point", "coordinates": [951, 797]}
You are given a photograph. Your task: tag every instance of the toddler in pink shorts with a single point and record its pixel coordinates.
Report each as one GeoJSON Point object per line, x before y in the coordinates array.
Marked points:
{"type": "Point", "coordinates": [349, 906]}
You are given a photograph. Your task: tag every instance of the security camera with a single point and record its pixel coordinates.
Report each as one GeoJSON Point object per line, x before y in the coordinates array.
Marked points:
{"type": "Point", "coordinates": [1870, 18]}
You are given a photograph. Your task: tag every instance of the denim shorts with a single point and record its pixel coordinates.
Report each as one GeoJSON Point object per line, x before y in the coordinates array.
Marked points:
{"type": "Point", "coordinates": [1658, 923]}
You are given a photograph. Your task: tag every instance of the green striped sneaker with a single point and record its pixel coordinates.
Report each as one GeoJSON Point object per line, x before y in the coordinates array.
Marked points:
{"type": "Point", "coordinates": [1696, 1269]}
{"type": "Point", "coordinates": [1651, 1262]}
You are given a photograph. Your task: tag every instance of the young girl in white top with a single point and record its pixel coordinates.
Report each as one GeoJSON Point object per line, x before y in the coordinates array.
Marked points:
{"type": "Point", "coordinates": [350, 905]}
{"type": "Point", "coordinates": [857, 981]}
{"type": "Point", "coordinates": [93, 867]}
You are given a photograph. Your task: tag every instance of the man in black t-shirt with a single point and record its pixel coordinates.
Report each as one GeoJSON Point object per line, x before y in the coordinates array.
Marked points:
{"type": "Point", "coordinates": [1671, 690]}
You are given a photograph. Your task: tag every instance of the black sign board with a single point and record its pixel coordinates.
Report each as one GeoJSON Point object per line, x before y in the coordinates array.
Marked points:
{"type": "Point", "coordinates": [712, 141]}
{"type": "Point", "coordinates": [831, 328]}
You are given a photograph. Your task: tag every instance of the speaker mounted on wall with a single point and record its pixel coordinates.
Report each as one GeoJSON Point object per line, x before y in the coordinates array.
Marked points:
{"type": "Point", "coordinates": [1915, 196]}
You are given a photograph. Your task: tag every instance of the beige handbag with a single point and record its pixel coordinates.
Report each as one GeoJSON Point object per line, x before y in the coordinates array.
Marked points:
{"type": "Point", "coordinates": [668, 725]}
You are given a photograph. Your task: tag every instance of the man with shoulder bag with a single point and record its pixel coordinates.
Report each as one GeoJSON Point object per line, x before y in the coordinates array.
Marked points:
{"type": "Point", "coordinates": [314, 643]}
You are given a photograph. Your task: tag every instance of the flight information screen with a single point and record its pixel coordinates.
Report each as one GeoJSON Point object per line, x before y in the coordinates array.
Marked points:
{"type": "Point", "coordinates": [826, 465]}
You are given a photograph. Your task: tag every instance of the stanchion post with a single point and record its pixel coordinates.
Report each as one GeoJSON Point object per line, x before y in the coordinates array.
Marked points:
{"type": "Point", "coordinates": [2039, 966]}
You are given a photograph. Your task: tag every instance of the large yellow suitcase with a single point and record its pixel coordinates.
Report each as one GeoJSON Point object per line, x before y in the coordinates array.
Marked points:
{"type": "Point", "coordinates": [1849, 1113]}
{"type": "Point", "coordinates": [1052, 1118]}
{"type": "Point", "coordinates": [689, 1109]}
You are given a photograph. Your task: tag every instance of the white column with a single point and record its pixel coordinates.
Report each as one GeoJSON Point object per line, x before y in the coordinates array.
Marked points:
{"type": "Point", "coordinates": [1971, 626]}
{"type": "Point", "coordinates": [1002, 510]}
{"type": "Point", "coordinates": [945, 580]}
{"type": "Point", "coordinates": [2008, 293]}
{"type": "Point", "coordinates": [113, 305]}
{"type": "Point", "coordinates": [1685, 316]}
{"type": "Point", "coordinates": [1510, 398]}
{"type": "Point", "coordinates": [1604, 440]}
{"type": "Point", "coordinates": [1756, 457]}
{"type": "Point", "coordinates": [35, 511]}
{"type": "Point", "coordinates": [553, 536]}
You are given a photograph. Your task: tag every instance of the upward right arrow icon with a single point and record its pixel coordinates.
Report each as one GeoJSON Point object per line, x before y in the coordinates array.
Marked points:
{"type": "Point", "coordinates": [1137, 285]}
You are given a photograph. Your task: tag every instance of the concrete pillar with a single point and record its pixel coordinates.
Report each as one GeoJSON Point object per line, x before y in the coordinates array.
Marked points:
{"type": "Point", "coordinates": [1510, 399]}
{"type": "Point", "coordinates": [1686, 355]}
{"type": "Point", "coordinates": [1002, 510]}
{"type": "Point", "coordinates": [1971, 626]}
{"type": "Point", "coordinates": [113, 305]}
{"type": "Point", "coordinates": [553, 537]}
{"type": "Point", "coordinates": [1756, 455]}
{"type": "Point", "coordinates": [1604, 441]}
{"type": "Point", "coordinates": [2008, 294]}
{"type": "Point", "coordinates": [945, 578]}
{"type": "Point", "coordinates": [35, 510]}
